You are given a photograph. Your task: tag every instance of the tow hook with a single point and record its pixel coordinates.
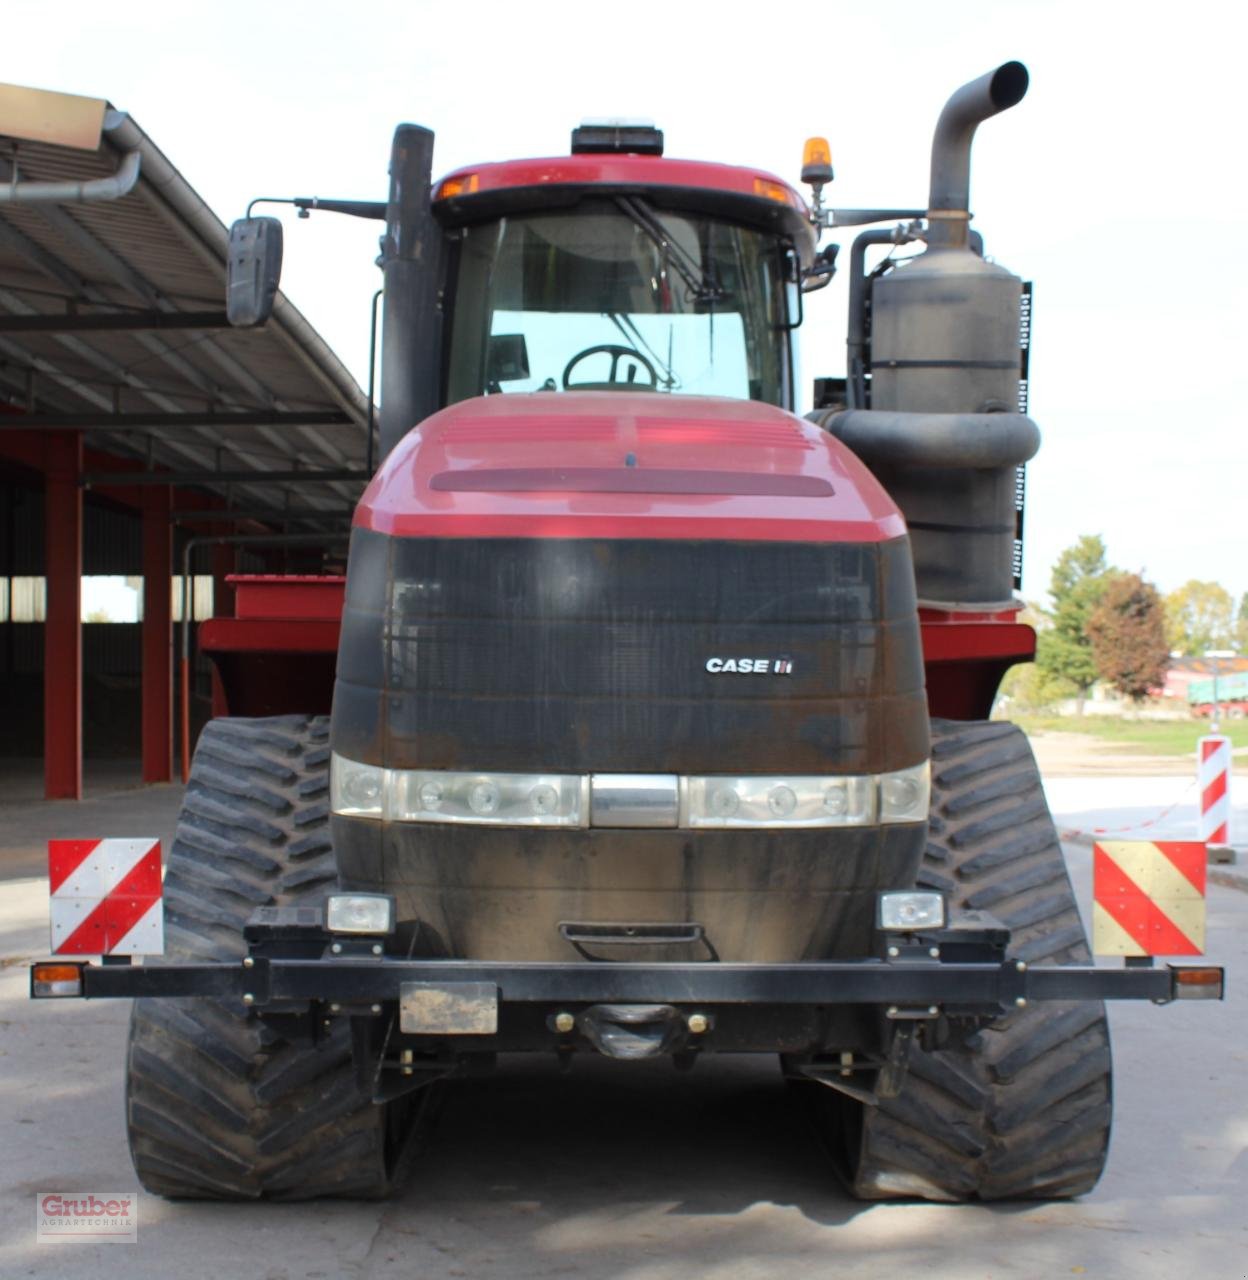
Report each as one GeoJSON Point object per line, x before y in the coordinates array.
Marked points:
{"type": "Point", "coordinates": [633, 1031]}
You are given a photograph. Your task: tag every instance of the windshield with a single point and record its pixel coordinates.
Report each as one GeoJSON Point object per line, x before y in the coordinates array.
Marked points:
{"type": "Point", "coordinates": [614, 295]}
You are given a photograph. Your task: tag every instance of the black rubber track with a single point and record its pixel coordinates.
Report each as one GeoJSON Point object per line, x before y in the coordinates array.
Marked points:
{"type": "Point", "coordinates": [1019, 1109]}
{"type": "Point", "coordinates": [218, 1105]}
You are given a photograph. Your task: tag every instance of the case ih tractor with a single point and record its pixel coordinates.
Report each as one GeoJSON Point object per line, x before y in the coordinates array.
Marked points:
{"type": "Point", "coordinates": [660, 714]}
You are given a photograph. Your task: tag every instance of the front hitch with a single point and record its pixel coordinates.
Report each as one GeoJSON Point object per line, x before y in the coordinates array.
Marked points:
{"type": "Point", "coordinates": [633, 1031]}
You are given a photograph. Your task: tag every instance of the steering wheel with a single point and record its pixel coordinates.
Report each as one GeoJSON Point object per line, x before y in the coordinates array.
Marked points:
{"type": "Point", "coordinates": [612, 383]}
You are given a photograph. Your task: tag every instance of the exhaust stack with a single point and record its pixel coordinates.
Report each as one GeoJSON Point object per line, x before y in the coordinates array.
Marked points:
{"type": "Point", "coordinates": [948, 201]}
{"type": "Point", "coordinates": [935, 354]}
{"type": "Point", "coordinates": [411, 266]}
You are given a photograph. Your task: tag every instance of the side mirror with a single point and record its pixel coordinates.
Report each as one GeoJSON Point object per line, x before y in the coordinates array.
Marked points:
{"type": "Point", "coordinates": [819, 274]}
{"type": "Point", "coordinates": [508, 359]}
{"type": "Point", "coordinates": [255, 267]}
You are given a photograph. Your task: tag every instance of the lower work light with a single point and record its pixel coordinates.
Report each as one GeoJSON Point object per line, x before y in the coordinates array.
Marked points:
{"type": "Point", "coordinates": [906, 911]}
{"type": "Point", "coordinates": [367, 913]}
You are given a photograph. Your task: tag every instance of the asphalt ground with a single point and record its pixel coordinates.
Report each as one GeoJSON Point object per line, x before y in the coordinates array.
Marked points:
{"type": "Point", "coordinates": [628, 1172]}
{"type": "Point", "coordinates": [1159, 807]}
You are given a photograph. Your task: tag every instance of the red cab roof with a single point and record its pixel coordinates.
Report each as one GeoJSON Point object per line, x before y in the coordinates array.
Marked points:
{"type": "Point", "coordinates": [619, 170]}
{"type": "Point", "coordinates": [753, 196]}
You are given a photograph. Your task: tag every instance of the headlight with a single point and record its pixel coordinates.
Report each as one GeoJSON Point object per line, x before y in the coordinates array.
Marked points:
{"type": "Point", "coordinates": [576, 800]}
{"type": "Point", "coordinates": [512, 799]}
{"type": "Point", "coordinates": [357, 790]}
{"type": "Point", "coordinates": [780, 802]}
{"type": "Point", "coordinates": [906, 794]}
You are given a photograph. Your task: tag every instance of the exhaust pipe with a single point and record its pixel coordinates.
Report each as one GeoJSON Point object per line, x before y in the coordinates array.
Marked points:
{"type": "Point", "coordinates": [941, 433]}
{"type": "Point", "coordinates": [411, 268]}
{"type": "Point", "coordinates": [948, 202]}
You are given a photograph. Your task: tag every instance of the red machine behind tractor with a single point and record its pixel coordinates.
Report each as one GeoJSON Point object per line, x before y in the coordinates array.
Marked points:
{"type": "Point", "coordinates": [651, 719]}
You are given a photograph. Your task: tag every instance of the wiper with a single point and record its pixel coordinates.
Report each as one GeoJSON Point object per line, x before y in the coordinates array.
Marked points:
{"type": "Point", "coordinates": [703, 288]}
{"type": "Point", "coordinates": [635, 339]}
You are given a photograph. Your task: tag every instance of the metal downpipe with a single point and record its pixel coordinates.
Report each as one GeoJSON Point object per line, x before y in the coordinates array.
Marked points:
{"type": "Point", "coordinates": [113, 187]}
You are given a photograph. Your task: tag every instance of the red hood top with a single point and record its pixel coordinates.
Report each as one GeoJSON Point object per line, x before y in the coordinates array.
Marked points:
{"type": "Point", "coordinates": [597, 464]}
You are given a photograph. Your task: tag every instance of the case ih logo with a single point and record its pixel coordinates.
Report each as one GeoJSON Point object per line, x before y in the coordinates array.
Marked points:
{"type": "Point", "coordinates": [750, 666]}
{"type": "Point", "coordinates": [88, 1217]}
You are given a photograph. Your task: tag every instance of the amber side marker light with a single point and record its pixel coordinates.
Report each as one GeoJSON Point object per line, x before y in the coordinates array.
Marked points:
{"type": "Point", "coordinates": [772, 190]}
{"type": "Point", "coordinates": [464, 185]}
{"type": "Point", "coordinates": [48, 981]}
{"type": "Point", "coordinates": [1193, 983]}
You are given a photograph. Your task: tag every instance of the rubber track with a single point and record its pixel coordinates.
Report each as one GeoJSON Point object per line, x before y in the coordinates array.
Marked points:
{"type": "Point", "coordinates": [1021, 1108]}
{"type": "Point", "coordinates": [218, 1105]}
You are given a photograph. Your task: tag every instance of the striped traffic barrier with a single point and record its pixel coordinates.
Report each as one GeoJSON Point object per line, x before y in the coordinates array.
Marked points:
{"type": "Point", "coordinates": [106, 897]}
{"type": "Point", "coordinates": [1148, 898]}
{"type": "Point", "coordinates": [1214, 773]}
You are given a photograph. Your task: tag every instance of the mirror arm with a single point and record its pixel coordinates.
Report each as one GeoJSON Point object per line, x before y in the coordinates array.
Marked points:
{"type": "Point", "coordinates": [375, 209]}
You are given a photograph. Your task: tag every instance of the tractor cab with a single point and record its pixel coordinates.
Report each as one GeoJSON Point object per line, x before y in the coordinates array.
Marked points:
{"type": "Point", "coordinates": [616, 269]}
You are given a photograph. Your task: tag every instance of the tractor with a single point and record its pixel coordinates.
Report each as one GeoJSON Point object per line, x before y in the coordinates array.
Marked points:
{"type": "Point", "coordinates": [658, 725]}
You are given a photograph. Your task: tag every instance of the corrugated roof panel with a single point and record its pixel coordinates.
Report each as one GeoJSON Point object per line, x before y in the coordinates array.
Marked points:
{"type": "Point", "coordinates": [161, 249]}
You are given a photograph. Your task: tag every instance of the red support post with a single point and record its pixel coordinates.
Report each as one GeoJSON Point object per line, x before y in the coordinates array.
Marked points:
{"type": "Point", "coordinates": [223, 558]}
{"type": "Point", "coordinates": [157, 689]}
{"type": "Point", "coordinates": [62, 632]}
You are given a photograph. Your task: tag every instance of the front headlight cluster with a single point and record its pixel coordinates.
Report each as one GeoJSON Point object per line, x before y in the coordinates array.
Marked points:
{"type": "Point", "coordinates": [418, 795]}
{"type": "Point", "coordinates": [787, 801]}
{"type": "Point", "coordinates": [821, 801]}
{"type": "Point", "coordinates": [566, 800]}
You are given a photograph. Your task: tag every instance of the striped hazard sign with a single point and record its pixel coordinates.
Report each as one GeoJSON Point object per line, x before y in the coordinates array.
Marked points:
{"type": "Point", "coordinates": [106, 897]}
{"type": "Point", "coordinates": [1148, 898]}
{"type": "Point", "coordinates": [1215, 797]}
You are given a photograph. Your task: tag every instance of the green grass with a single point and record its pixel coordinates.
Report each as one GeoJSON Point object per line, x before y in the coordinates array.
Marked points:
{"type": "Point", "coordinates": [1144, 737]}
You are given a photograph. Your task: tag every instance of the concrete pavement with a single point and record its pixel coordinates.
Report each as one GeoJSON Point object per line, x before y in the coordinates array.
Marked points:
{"type": "Point", "coordinates": [1145, 808]}
{"type": "Point", "coordinates": [619, 1172]}
{"type": "Point", "coordinates": [28, 823]}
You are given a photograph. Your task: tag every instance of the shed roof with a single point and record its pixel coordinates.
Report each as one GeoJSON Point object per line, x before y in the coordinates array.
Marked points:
{"type": "Point", "coordinates": [112, 321]}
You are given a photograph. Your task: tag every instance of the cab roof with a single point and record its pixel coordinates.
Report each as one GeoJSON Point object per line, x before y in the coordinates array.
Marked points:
{"type": "Point", "coordinates": [754, 196]}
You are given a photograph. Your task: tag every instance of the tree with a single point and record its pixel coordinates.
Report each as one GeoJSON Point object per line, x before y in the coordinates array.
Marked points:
{"type": "Point", "coordinates": [1064, 652]}
{"type": "Point", "coordinates": [1199, 617]}
{"type": "Point", "coordinates": [1128, 634]}
{"type": "Point", "coordinates": [1084, 561]}
{"type": "Point", "coordinates": [1027, 686]}
{"type": "Point", "coordinates": [1241, 624]}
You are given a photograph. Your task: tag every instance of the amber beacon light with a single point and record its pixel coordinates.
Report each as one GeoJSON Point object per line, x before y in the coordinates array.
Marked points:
{"type": "Point", "coordinates": [816, 162]}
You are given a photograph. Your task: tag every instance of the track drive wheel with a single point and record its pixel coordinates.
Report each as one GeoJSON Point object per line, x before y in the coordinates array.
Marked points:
{"type": "Point", "coordinates": [1019, 1109]}
{"type": "Point", "coordinates": [219, 1106]}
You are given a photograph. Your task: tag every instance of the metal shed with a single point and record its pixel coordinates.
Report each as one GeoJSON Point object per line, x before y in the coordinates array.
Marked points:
{"type": "Point", "coordinates": [129, 409]}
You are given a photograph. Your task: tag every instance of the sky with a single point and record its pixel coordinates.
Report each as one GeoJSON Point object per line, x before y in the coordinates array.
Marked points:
{"type": "Point", "coordinates": [1116, 186]}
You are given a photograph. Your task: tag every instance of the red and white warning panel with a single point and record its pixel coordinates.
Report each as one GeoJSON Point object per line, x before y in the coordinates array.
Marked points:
{"type": "Point", "coordinates": [1215, 789]}
{"type": "Point", "coordinates": [1148, 898]}
{"type": "Point", "coordinates": [106, 897]}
